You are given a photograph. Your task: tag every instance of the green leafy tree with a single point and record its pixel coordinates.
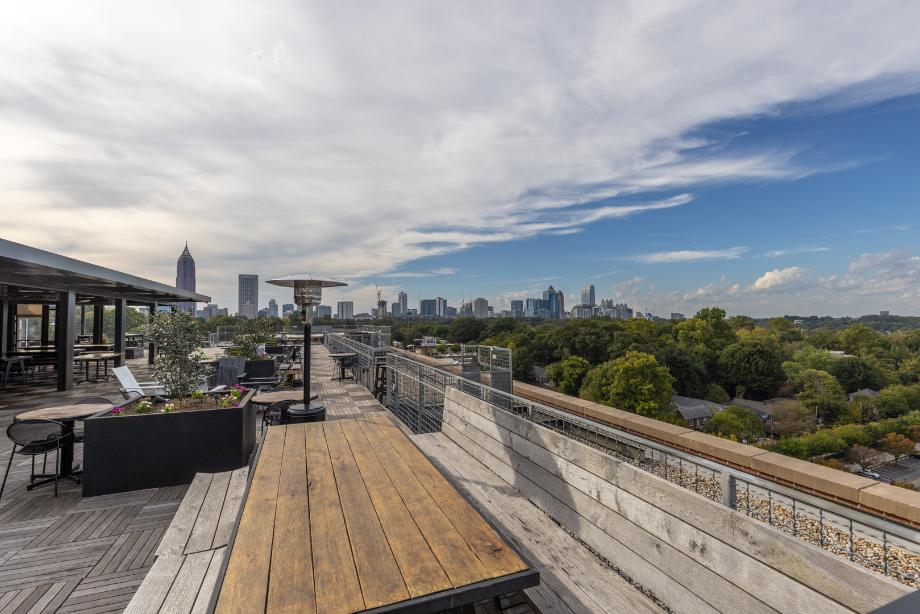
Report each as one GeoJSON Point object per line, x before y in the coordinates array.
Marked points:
{"type": "Point", "coordinates": [568, 374]}
{"type": "Point", "coordinates": [736, 423]}
{"type": "Point", "coordinates": [857, 339]}
{"type": "Point", "coordinates": [689, 372]}
{"type": "Point", "coordinates": [856, 373]}
{"type": "Point", "coordinates": [791, 418]}
{"type": "Point", "coordinates": [633, 382]}
{"type": "Point", "coordinates": [716, 393]}
{"type": "Point", "coordinates": [895, 401]}
{"type": "Point", "coordinates": [466, 330]}
{"type": "Point", "coordinates": [752, 364]}
{"type": "Point", "coordinates": [178, 365]}
{"type": "Point", "coordinates": [250, 334]}
{"type": "Point", "coordinates": [822, 394]}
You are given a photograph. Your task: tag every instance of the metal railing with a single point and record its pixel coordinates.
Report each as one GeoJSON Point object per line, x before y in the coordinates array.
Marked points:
{"type": "Point", "coordinates": [374, 336]}
{"type": "Point", "coordinates": [368, 357]}
{"type": "Point", "coordinates": [415, 393]}
{"type": "Point", "coordinates": [494, 362]}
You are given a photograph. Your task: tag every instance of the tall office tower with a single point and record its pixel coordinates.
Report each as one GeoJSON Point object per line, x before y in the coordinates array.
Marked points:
{"type": "Point", "coordinates": [441, 307]}
{"type": "Point", "coordinates": [560, 304]}
{"type": "Point", "coordinates": [323, 311]}
{"type": "Point", "coordinates": [517, 308]}
{"type": "Point", "coordinates": [381, 308]}
{"type": "Point", "coordinates": [272, 308]}
{"type": "Point", "coordinates": [345, 310]}
{"type": "Point", "coordinates": [403, 299]}
{"type": "Point", "coordinates": [587, 296]}
{"type": "Point", "coordinates": [466, 310]}
{"type": "Point", "coordinates": [428, 308]}
{"type": "Point", "coordinates": [481, 308]}
{"type": "Point", "coordinates": [287, 310]}
{"type": "Point", "coordinates": [552, 298]}
{"type": "Point", "coordinates": [395, 309]}
{"type": "Point", "coordinates": [185, 277]}
{"type": "Point", "coordinates": [248, 306]}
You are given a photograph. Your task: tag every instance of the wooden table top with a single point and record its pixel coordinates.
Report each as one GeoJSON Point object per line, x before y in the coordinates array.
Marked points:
{"type": "Point", "coordinates": [294, 394]}
{"type": "Point", "coordinates": [342, 355]}
{"type": "Point", "coordinates": [97, 356]}
{"type": "Point", "coordinates": [362, 520]}
{"type": "Point", "coordinates": [64, 412]}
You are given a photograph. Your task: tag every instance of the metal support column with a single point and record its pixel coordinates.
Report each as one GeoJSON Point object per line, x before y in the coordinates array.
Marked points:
{"type": "Point", "coordinates": [5, 332]}
{"type": "Point", "coordinates": [64, 338]}
{"type": "Point", "coordinates": [121, 315]}
{"type": "Point", "coordinates": [307, 342]}
{"type": "Point", "coordinates": [82, 319]}
{"type": "Point", "coordinates": [151, 346]}
{"type": "Point", "coordinates": [46, 325]}
{"type": "Point", "coordinates": [98, 322]}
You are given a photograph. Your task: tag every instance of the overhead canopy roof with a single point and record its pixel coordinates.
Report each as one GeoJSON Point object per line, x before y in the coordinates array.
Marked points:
{"type": "Point", "coordinates": [34, 272]}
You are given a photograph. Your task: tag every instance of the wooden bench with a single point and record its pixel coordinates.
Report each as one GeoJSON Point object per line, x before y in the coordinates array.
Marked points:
{"type": "Point", "coordinates": [191, 553]}
{"type": "Point", "coordinates": [573, 580]}
{"type": "Point", "coordinates": [348, 515]}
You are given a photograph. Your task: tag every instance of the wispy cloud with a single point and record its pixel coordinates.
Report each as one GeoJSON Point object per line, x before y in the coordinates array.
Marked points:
{"type": "Point", "coordinates": [690, 255]}
{"type": "Point", "coordinates": [413, 274]}
{"type": "Point", "coordinates": [778, 253]}
{"type": "Point", "coordinates": [606, 274]}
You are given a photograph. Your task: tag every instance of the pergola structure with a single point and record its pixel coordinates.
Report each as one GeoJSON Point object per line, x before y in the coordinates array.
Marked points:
{"type": "Point", "coordinates": [30, 276]}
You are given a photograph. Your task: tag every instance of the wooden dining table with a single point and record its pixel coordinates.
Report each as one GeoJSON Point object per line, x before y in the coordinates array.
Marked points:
{"type": "Point", "coordinates": [291, 394]}
{"type": "Point", "coordinates": [66, 415]}
{"type": "Point", "coordinates": [97, 357]}
{"type": "Point", "coordinates": [349, 515]}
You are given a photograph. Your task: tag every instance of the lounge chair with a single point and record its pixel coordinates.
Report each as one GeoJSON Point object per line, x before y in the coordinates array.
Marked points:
{"type": "Point", "coordinates": [130, 387]}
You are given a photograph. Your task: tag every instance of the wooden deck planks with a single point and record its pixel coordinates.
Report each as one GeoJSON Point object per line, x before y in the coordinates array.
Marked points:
{"type": "Point", "coordinates": [202, 534]}
{"type": "Point", "coordinates": [180, 529]}
{"type": "Point", "coordinates": [334, 574]}
{"type": "Point", "coordinates": [420, 569]}
{"type": "Point", "coordinates": [245, 585]}
{"type": "Point", "coordinates": [378, 573]}
{"type": "Point", "coordinates": [290, 586]}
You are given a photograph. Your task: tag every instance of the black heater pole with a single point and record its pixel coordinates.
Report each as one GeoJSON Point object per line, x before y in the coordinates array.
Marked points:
{"type": "Point", "coordinates": [307, 333]}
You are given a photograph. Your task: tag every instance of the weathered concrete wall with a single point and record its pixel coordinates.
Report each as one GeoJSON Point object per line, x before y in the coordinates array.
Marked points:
{"type": "Point", "coordinates": [692, 553]}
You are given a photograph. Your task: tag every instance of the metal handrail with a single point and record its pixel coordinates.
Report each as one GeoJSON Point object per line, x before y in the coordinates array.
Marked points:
{"type": "Point", "coordinates": [416, 406]}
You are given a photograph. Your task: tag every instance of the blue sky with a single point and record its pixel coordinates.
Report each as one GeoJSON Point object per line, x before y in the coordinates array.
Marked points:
{"type": "Point", "coordinates": [757, 156]}
{"type": "Point", "coordinates": [860, 194]}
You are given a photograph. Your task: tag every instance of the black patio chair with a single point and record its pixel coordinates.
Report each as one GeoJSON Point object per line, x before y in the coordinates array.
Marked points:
{"type": "Point", "coordinates": [34, 437]}
{"type": "Point", "coordinates": [276, 413]}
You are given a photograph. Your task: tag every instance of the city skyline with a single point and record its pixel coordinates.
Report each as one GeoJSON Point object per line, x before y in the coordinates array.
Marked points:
{"type": "Point", "coordinates": [768, 167]}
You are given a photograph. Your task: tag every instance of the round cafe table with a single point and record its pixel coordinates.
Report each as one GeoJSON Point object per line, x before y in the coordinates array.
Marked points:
{"type": "Point", "coordinates": [291, 394]}
{"type": "Point", "coordinates": [66, 415]}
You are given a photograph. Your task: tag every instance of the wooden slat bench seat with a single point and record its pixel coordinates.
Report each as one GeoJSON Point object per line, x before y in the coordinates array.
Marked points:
{"type": "Point", "coordinates": [573, 580]}
{"type": "Point", "coordinates": [347, 516]}
{"type": "Point", "coordinates": [191, 553]}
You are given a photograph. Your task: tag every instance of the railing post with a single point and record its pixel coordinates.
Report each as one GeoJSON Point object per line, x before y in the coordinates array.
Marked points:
{"type": "Point", "coordinates": [729, 487]}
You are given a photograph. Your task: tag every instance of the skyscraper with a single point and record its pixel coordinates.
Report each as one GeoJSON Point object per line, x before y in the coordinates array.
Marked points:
{"type": "Point", "coordinates": [560, 304]}
{"type": "Point", "coordinates": [481, 308]}
{"type": "Point", "coordinates": [323, 311]}
{"type": "Point", "coordinates": [517, 308]}
{"type": "Point", "coordinates": [441, 307]}
{"type": "Point", "coordinates": [272, 308]}
{"type": "Point", "coordinates": [428, 308]}
{"type": "Point", "coordinates": [587, 296]}
{"type": "Point", "coordinates": [185, 277]}
{"type": "Point", "coordinates": [248, 296]}
{"type": "Point", "coordinates": [403, 299]}
{"type": "Point", "coordinates": [552, 298]}
{"type": "Point", "coordinates": [345, 310]}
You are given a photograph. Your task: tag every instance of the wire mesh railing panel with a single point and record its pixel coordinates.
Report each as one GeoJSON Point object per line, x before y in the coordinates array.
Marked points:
{"type": "Point", "coordinates": [416, 395]}
{"type": "Point", "coordinates": [367, 358]}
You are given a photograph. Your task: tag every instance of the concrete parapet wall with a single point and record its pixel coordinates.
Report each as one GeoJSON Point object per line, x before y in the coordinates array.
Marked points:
{"type": "Point", "coordinates": [692, 553]}
{"type": "Point", "coordinates": [860, 492]}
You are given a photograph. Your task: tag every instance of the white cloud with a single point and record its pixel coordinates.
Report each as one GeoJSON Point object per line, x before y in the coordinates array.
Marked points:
{"type": "Point", "coordinates": [349, 139]}
{"type": "Point", "coordinates": [690, 255]}
{"type": "Point", "coordinates": [446, 271]}
{"type": "Point", "coordinates": [780, 278]}
{"type": "Point", "coordinates": [778, 253]}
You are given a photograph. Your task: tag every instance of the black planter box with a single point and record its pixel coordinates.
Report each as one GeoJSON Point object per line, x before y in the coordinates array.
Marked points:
{"type": "Point", "coordinates": [260, 368]}
{"type": "Point", "coordinates": [134, 452]}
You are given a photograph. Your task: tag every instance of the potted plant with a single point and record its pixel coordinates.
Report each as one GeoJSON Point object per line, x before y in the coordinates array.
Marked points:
{"type": "Point", "coordinates": [249, 343]}
{"type": "Point", "coordinates": [164, 441]}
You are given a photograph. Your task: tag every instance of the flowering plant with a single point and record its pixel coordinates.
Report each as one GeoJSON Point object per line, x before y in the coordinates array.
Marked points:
{"type": "Point", "coordinates": [169, 408]}
{"type": "Point", "coordinates": [197, 395]}
{"type": "Point", "coordinates": [118, 411]}
{"type": "Point", "coordinates": [237, 391]}
{"type": "Point", "coordinates": [143, 407]}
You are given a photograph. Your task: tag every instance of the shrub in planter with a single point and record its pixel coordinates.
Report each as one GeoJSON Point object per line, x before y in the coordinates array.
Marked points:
{"type": "Point", "coordinates": [178, 365]}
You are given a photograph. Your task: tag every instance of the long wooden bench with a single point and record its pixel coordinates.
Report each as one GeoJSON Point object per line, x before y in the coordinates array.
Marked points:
{"type": "Point", "coordinates": [573, 580]}
{"type": "Point", "coordinates": [691, 553]}
{"type": "Point", "coordinates": [191, 553]}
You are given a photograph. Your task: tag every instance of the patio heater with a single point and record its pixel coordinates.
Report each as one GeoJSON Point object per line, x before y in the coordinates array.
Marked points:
{"type": "Point", "coordinates": [307, 293]}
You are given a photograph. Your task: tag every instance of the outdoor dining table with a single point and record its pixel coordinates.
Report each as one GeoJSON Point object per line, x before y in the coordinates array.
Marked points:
{"type": "Point", "coordinates": [97, 357]}
{"type": "Point", "coordinates": [66, 415]}
{"type": "Point", "coordinates": [340, 358]}
{"type": "Point", "coordinates": [291, 394]}
{"type": "Point", "coordinates": [7, 363]}
{"type": "Point", "coordinates": [349, 515]}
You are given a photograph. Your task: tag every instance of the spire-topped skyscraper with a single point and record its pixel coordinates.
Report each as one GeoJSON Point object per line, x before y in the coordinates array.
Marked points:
{"type": "Point", "coordinates": [185, 276]}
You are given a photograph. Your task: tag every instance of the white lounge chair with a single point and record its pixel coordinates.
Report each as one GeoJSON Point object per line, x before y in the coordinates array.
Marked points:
{"type": "Point", "coordinates": [131, 387]}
